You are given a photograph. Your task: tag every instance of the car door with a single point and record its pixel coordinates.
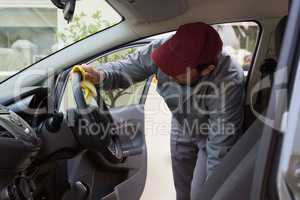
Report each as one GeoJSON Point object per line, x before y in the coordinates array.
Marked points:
{"type": "Point", "coordinates": [128, 105]}
{"type": "Point", "coordinates": [106, 180]}
{"type": "Point", "coordinates": [287, 172]}
{"type": "Point", "coordinates": [276, 174]}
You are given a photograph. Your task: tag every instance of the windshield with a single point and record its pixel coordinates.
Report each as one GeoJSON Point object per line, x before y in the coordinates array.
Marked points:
{"type": "Point", "coordinates": [33, 29]}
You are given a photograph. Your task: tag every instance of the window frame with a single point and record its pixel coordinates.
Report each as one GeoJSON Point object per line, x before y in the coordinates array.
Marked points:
{"type": "Point", "coordinates": [65, 75]}
{"type": "Point", "coordinates": [148, 39]}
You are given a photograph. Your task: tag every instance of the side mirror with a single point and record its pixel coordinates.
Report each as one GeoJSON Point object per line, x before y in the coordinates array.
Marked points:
{"type": "Point", "coordinates": [68, 7]}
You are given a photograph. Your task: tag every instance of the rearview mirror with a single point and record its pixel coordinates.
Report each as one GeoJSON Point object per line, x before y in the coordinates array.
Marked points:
{"type": "Point", "coordinates": [68, 7]}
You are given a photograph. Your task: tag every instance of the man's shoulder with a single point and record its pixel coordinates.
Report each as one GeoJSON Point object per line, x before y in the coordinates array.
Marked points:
{"type": "Point", "coordinates": [229, 69]}
{"type": "Point", "coordinates": [154, 44]}
{"type": "Point", "coordinates": [147, 50]}
{"type": "Point", "coordinates": [160, 41]}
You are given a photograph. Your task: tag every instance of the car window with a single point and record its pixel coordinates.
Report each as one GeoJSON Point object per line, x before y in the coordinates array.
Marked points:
{"type": "Point", "coordinates": [239, 41]}
{"type": "Point", "coordinates": [121, 97]}
{"type": "Point", "coordinates": [113, 98]}
{"type": "Point", "coordinates": [31, 30]}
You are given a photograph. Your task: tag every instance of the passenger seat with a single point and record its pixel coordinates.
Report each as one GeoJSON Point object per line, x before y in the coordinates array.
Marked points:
{"type": "Point", "coordinates": [232, 179]}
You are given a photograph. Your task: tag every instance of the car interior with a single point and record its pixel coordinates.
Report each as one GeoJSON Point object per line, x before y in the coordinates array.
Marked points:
{"type": "Point", "coordinates": [46, 156]}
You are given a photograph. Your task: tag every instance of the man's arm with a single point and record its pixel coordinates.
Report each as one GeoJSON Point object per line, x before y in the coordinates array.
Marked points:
{"type": "Point", "coordinates": [137, 67]}
{"type": "Point", "coordinates": [225, 119]}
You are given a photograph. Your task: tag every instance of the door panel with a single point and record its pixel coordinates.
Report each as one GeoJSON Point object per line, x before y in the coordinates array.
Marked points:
{"type": "Point", "coordinates": [106, 180]}
{"type": "Point", "coordinates": [138, 163]}
{"type": "Point", "coordinates": [116, 181]}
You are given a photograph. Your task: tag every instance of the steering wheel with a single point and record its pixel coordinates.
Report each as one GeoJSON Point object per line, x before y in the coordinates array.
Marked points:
{"type": "Point", "coordinates": [97, 134]}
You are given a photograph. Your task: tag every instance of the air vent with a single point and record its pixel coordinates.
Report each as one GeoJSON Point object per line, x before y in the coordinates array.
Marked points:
{"type": "Point", "coordinates": [5, 134]}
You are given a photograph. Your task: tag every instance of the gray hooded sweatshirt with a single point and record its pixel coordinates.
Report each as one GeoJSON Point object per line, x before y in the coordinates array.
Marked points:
{"type": "Point", "coordinates": [211, 109]}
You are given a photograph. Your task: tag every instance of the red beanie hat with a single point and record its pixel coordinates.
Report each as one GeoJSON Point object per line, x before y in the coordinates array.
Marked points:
{"type": "Point", "coordinates": [192, 45]}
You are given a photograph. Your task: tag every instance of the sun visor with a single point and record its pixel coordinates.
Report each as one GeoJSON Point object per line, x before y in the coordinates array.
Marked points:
{"type": "Point", "coordinates": [154, 10]}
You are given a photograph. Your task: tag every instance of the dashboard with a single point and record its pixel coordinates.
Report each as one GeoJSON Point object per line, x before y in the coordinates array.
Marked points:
{"type": "Point", "coordinates": [24, 149]}
{"type": "Point", "coordinates": [19, 144]}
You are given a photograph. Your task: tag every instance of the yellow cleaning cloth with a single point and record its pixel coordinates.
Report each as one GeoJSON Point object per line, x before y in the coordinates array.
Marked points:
{"type": "Point", "coordinates": [88, 87]}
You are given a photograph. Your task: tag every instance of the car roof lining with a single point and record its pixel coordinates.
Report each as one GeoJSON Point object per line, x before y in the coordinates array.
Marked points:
{"type": "Point", "coordinates": [144, 17]}
{"type": "Point", "coordinates": [150, 11]}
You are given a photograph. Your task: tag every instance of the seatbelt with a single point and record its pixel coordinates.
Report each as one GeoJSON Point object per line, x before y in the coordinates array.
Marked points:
{"type": "Point", "coordinates": [267, 70]}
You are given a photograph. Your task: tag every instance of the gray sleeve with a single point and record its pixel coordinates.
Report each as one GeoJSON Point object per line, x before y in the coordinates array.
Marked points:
{"type": "Point", "coordinates": [135, 68]}
{"type": "Point", "coordinates": [225, 124]}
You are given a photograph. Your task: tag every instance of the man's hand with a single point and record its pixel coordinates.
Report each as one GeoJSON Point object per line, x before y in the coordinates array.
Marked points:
{"type": "Point", "coordinates": [93, 75]}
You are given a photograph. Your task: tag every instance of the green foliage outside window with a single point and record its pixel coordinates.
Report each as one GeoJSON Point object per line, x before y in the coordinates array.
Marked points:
{"type": "Point", "coordinates": [78, 30]}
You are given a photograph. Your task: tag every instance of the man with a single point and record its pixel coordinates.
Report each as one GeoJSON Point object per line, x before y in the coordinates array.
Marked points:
{"type": "Point", "coordinates": [203, 89]}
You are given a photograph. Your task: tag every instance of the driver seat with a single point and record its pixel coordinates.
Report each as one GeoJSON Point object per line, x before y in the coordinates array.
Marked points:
{"type": "Point", "coordinates": [232, 178]}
